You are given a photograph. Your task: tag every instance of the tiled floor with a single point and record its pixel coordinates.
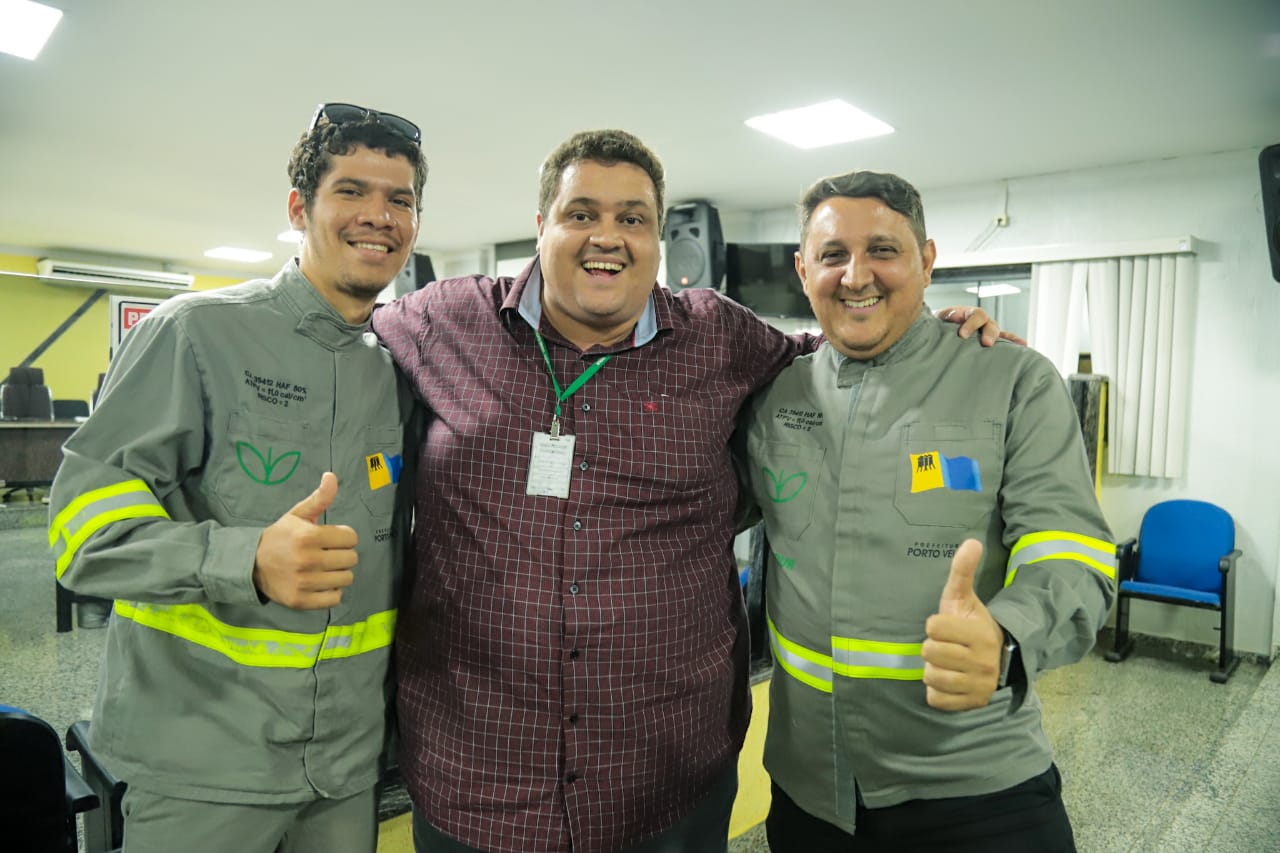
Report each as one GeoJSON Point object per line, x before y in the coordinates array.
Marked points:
{"type": "Point", "coordinates": [1155, 758]}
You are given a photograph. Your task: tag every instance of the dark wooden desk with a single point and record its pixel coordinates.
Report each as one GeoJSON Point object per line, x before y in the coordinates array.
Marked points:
{"type": "Point", "coordinates": [31, 451]}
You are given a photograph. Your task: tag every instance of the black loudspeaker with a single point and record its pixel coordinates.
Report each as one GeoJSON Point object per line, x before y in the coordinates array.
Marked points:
{"type": "Point", "coordinates": [1269, 165]}
{"type": "Point", "coordinates": [695, 246]}
{"type": "Point", "coordinates": [423, 270]}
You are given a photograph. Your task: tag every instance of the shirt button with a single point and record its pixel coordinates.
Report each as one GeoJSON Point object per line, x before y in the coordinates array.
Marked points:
{"type": "Point", "coordinates": [573, 719]}
{"type": "Point", "coordinates": [583, 465]}
{"type": "Point", "coordinates": [573, 655]}
{"type": "Point", "coordinates": [577, 525]}
{"type": "Point", "coordinates": [571, 778]}
{"type": "Point", "coordinates": [586, 407]}
{"type": "Point", "coordinates": [573, 589]}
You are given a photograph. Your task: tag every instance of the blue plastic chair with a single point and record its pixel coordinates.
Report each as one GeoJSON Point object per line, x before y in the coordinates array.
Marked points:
{"type": "Point", "coordinates": [1185, 554]}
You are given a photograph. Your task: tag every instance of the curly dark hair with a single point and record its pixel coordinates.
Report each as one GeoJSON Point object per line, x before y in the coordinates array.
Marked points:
{"type": "Point", "coordinates": [312, 156]}
{"type": "Point", "coordinates": [609, 147]}
{"type": "Point", "coordinates": [890, 189]}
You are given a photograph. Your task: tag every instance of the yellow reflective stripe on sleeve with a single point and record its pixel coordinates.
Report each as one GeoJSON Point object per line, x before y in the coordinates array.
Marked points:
{"type": "Point", "coordinates": [804, 665]}
{"type": "Point", "coordinates": [72, 509]}
{"type": "Point", "coordinates": [262, 647]}
{"type": "Point", "coordinates": [854, 658]}
{"type": "Point", "coordinates": [1061, 545]}
{"type": "Point", "coordinates": [92, 511]}
{"type": "Point", "coordinates": [97, 523]}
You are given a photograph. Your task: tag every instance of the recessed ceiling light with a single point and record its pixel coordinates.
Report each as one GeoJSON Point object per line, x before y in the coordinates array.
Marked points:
{"type": "Point", "coordinates": [827, 123]}
{"type": "Point", "coordinates": [289, 236]}
{"type": "Point", "coordinates": [230, 253]}
{"type": "Point", "coordinates": [26, 26]}
{"type": "Point", "coordinates": [985, 290]}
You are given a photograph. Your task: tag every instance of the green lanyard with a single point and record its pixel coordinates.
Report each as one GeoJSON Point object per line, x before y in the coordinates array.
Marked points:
{"type": "Point", "coordinates": [561, 396]}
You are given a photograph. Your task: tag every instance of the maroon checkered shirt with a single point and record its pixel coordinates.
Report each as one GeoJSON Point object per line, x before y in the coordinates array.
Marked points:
{"type": "Point", "coordinates": [572, 672]}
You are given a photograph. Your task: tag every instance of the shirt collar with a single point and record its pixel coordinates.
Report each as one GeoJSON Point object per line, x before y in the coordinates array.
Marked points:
{"type": "Point", "coordinates": [317, 319]}
{"type": "Point", "coordinates": [923, 333]}
{"type": "Point", "coordinates": [530, 306]}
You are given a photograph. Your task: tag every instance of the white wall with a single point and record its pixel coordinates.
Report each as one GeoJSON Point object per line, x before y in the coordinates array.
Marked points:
{"type": "Point", "coordinates": [1234, 422]}
{"type": "Point", "coordinates": [454, 263]}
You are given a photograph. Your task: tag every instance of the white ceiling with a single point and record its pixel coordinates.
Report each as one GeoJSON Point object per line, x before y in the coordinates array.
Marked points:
{"type": "Point", "coordinates": [161, 128]}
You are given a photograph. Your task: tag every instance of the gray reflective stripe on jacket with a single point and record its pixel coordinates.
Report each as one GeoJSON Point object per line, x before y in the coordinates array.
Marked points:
{"type": "Point", "coordinates": [260, 647]}
{"type": "Point", "coordinates": [849, 658]}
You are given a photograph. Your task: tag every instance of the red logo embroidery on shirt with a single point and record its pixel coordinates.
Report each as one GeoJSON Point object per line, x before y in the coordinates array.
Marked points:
{"type": "Point", "coordinates": [649, 406]}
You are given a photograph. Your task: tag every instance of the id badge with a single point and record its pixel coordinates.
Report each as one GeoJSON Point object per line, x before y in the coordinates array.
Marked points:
{"type": "Point", "coordinates": [550, 465]}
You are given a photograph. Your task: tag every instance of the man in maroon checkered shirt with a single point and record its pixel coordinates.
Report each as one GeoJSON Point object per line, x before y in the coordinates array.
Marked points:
{"type": "Point", "coordinates": [572, 652]}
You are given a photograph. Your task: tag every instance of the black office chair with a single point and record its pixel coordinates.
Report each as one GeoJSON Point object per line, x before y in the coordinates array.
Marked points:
{"type": "Point", "coordinates": [40, 791]}
{"type": "Point", "coordinates": [25, 397]}
{"type": "Point", "coordinates": [103, 828]}
{"type": "Point", "coordinates": [69, 410]}
{"type": "Point", "coordinates": [15, 394]}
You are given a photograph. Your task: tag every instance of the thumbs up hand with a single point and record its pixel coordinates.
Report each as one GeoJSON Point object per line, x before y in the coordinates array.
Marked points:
{"type": "Point", "coordinates": [301, 563]}
{"type": "Point", "coordinates": [962, 647]}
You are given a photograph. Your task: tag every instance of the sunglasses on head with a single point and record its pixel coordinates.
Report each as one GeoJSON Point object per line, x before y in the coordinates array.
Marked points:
{"type": "Point", "coordinates": [348, 113]}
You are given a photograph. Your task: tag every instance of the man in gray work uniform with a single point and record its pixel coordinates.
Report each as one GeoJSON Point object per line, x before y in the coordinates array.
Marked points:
{"type": "Point", "coordinates": [902, 710]}
{"type": "Point", "coordinates": [236, 492]}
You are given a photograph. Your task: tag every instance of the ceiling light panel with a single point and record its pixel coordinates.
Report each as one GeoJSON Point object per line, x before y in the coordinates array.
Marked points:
{"type": "Point", "coordinates": [827, 123]}
{"type": "Point", "coordinates": [230, 253]}
{"type": "Point", "coordinates": [985, 290]}
{"type": "Point", "coordinates": [26, 26]}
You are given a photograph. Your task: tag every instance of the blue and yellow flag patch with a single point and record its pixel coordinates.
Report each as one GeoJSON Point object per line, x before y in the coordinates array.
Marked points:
{"type": "Point", "coordinates": [384, 470]}
{"type": "Point", "coordinates": [932, 470]}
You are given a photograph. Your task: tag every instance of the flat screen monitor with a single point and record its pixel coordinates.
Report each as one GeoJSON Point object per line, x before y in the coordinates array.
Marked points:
{"type": "Point", "coordinates": [762, 276]}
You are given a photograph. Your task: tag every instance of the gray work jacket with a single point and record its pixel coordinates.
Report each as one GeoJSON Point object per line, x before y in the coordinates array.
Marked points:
{"type": "Point", "coordinates": [869, 475]}
{"type": "Point", "coordinates": [220, 412]}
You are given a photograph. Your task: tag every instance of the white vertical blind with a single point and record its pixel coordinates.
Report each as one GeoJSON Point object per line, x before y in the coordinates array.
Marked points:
{"type": "Point", "coordinates": [1055, 314]}
{"type": "Point", "coordinates": [1139, 317]}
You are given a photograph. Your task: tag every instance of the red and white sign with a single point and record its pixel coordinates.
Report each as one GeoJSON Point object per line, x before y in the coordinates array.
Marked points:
{"type": "Point", "coordinates": [127, 312]}
{"type": "Point", "coordinates": [132, 315]}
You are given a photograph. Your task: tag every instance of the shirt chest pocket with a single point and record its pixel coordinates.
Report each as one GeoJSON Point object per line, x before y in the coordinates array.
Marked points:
{"type": "Point", "coordinates": [948, 475]}
{"type": "Point", "coordinates": [261, 467]}
{"type": "Point", "coordinates": [784, 481]}
{"type": "Point", "coordinates": [383, 463]}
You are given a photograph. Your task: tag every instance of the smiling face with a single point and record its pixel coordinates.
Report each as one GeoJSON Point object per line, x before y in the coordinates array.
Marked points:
{"type": "Point", "coordinates": [864, 273]}
{"type": "Point", "coordinates": [598, 247]}
{"type": "Point", "coordinates": [359, 230]}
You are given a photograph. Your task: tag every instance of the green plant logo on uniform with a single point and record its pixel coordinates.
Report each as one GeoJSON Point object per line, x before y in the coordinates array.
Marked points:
{"type": "Point", "coordinates": [269, 470]}
{"type": "Point", "coordinates": [786, 488]}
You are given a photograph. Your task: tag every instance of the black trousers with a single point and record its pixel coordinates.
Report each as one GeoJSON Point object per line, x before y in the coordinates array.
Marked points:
{"type": "Point", "coordinates": [1027, 818]}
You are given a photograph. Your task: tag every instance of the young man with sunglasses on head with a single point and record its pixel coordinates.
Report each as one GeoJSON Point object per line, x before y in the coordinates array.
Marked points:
{"type": "Point", "coordinates": [236, 492]}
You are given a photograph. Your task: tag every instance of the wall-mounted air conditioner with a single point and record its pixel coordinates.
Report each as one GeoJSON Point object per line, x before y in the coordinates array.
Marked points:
{"type": "Point", "coordinates": [112, 278]}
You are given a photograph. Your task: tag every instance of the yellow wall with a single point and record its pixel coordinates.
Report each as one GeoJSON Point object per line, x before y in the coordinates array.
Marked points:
{"type": "Point", "coordinates": [30, 310]}
{"type": "Point", "coordinates": [754, 794]}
